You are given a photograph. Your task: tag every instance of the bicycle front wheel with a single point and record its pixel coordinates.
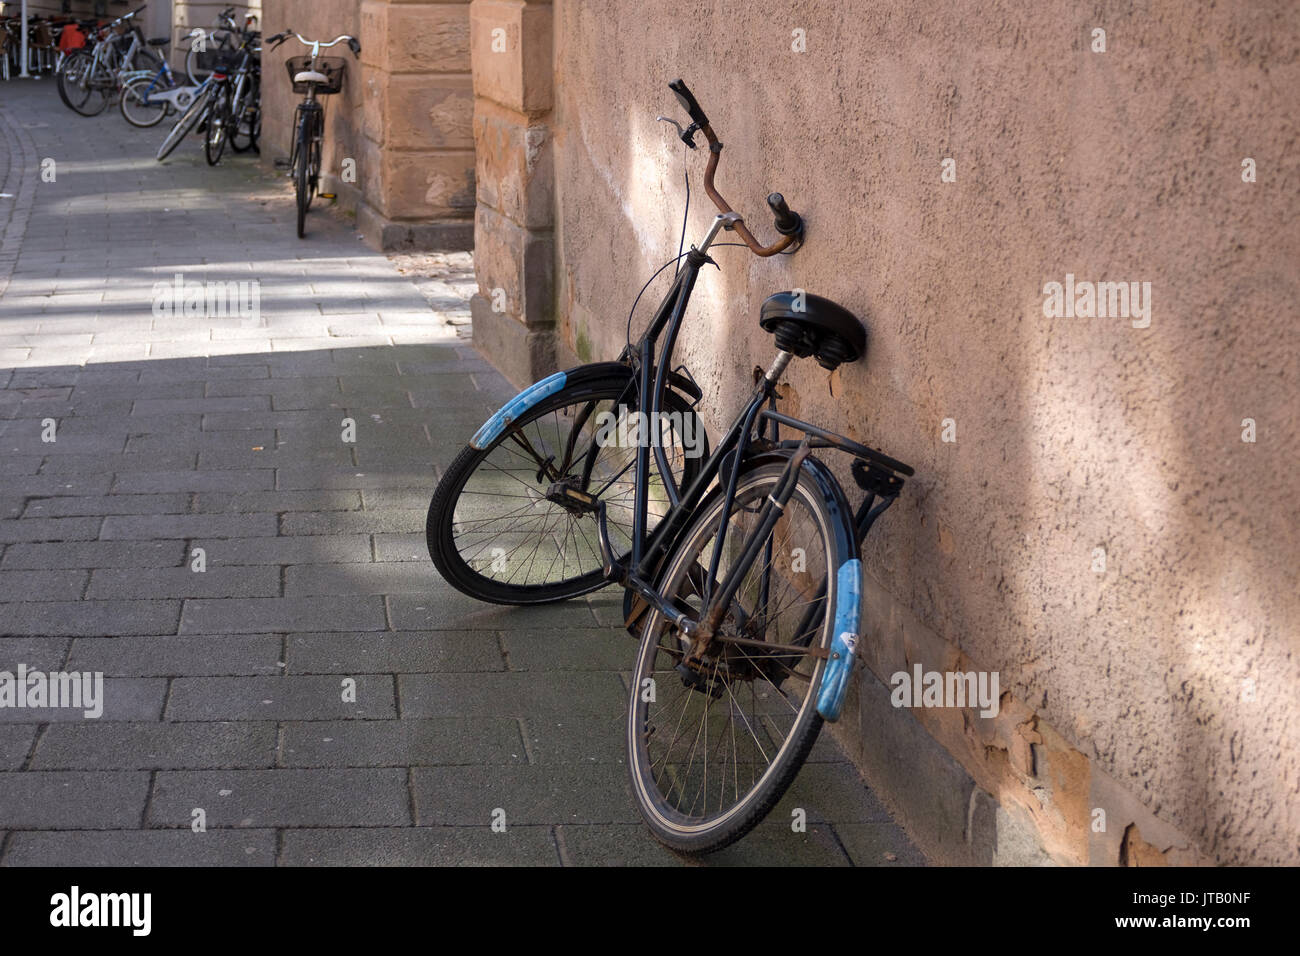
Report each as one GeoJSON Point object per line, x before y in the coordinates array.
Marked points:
{"type": "Point", "coordinates": [214, 141]}
{"type": "Point", "coordinates": [187, 122]}
{"type": "Point", "coordinates": [138, 108]}
{"type": "Point", "coordinates": [497, 531]}
{"type": "Point", "coordinates": [715, 739]}
{"type": "Point", "coordinates": [83, 84]}
{"type": "Point", "coordinates": [302, 171]}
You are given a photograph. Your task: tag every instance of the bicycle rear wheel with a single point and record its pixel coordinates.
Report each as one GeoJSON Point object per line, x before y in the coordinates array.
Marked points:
{"type": "Point", "coordinates": [493, 532]}
{"type": "Point", "coordinates": [715, 740]}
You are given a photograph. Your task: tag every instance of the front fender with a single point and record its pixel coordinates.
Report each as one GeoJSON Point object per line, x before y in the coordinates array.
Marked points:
{"type": "Point", "coordinates": [491, 429]}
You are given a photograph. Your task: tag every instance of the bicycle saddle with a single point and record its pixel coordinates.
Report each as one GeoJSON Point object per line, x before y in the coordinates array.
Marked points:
{"type": "Point", "coordinates": [807, 324]}
{"type": "Point", "coordinates": [160, 41]}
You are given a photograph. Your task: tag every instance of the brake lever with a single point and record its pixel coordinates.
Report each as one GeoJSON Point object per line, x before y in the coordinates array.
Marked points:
{"type": "Point", "coordinates": [686, 135]}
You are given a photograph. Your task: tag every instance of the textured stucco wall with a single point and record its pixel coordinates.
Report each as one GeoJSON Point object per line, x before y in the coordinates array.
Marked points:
{"type": "Point", "coordinates": [1072, 434]}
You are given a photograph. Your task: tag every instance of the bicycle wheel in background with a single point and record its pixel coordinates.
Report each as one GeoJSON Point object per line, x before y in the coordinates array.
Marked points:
{"type": "Point", "coordinates": [189, 118]}
{"type": "Point", "coordinates": [138, 108]}
{"type": "Point", "coordinates": [713, 744]}
{"type": "Point", "coordinates": [85, 85]}
{"type": "Point", "coordinates": [493, 533]}
{"type": "Point", "coordinates": [218, 131]}
{"type": "Point", "coordinates": [215, 43]}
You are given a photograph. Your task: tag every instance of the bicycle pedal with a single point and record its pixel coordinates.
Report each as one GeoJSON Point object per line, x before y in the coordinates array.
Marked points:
{"type": "Point", "coordinates": [329, 196]}
{"type": "Point", "coordinates": [281, 164]}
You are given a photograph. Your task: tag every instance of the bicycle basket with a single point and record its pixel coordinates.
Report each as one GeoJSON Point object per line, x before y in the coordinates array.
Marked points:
{"type": "Point", "coordinates": [332, 66]}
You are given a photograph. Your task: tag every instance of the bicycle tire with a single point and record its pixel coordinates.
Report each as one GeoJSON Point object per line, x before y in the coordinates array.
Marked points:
{"type": "Point", "coordinates": [686, 566]}
{"type": "Point", "coordinates": [134, 108]}
{"type": "Point", "coordinates": [440, 523]}
{"type": "Point", "coordinates": [214, 139]}
{"type": "Point", "coordinates": [301, 173]}
{"type": "Point", "coordinates": [187, 121]}
{"type": "Point", "coordinates": [81, 85]}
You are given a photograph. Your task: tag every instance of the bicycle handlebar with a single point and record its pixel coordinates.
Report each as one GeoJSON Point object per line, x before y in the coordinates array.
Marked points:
{"type": "Point", "coordinates": [353, 43]}
{"type": "Point", "coordinates": [789, 224]}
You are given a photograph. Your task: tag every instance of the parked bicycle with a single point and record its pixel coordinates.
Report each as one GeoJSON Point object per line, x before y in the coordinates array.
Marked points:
{"type": "Point", "coordinates": [148, 98]}
{"type": "Point", "coordinates": [236, 110]}
{"type": "Point", "coordinates": [90, 78]}
{"type": "Point", "coordinates": [313, 76]}
{"type": "Point", "coordinates": [196, 117]}
{"type": "Point", "coordinates": [741, 566]}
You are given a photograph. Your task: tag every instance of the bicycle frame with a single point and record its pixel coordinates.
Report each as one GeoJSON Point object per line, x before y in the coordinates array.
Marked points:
{"type": "Point", "coordinates": [755, 430]}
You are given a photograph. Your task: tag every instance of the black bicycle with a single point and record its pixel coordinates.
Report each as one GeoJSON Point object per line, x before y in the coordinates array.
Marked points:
{"type": "Point", "coordinates": [234, 97]}
{"type": "Point", "coordinates": [312, 76]}
{"type": "Point", "coordinates": [741, 566]}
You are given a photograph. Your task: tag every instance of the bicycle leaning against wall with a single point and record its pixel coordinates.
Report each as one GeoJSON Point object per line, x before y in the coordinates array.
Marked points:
{"type": "Point", "coordinates": [741, 566]}
{"type": "Point", "coordinates": [312, 76]}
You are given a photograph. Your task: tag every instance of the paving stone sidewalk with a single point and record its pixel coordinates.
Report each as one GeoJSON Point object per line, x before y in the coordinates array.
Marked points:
{"type": "Point", "coordinates": [224, 688]}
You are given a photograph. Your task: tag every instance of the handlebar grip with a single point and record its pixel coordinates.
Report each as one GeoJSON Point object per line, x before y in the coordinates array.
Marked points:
{"type": "Point", "coordinates": [354, 45]}
{"type": "Point", "coordinates": [787, 223]}
{"type": "Point", "coordinates": [688, 102]}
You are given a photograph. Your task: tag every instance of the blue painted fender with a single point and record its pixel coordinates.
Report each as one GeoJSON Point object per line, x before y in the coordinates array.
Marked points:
{"type": "Point", "coordinates": [494, 426]}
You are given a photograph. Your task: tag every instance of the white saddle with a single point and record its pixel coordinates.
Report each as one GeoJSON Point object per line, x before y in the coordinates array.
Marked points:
{"type": "Point", "coordinates": [310, 76]}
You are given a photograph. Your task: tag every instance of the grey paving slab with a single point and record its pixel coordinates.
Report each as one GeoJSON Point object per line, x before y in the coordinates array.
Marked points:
{"type": "Point", "coordinates": [544, 649]}
{"type": "Point", "coordinates": [440, 603]}
{"type": "Point", "coordinates": [409, 742]}
{"type": "Point", "coordinates": [123, 698]}
{"type": "Point", "coordinates": [390, 578]}
{"type": "Point", "coordinates": [16, 743]}
{"type": "Point", "coordinates": [183, 847]}
{"type": "Point", "coordinates": [95, 554]}
{"type": "Point", "coordinates": [66, 506]}
{"type": "Point", "coordinates": [51, 529]}
{"type": "Point", "coordinates": [389, 653]}
{"type": "Point", "coordinates": [96, 745]}
{"type": "Point", "coordinates": [278, 502]}
{"type": "Point", "coordinates": [42, 585]}
{"type": "Point", "coordinates": [178, 656]}
{"type": "Point", "coordinates": [401, 547]}
{"type": "Point", "coordinates": [215, 581]}
{"type": "Point", "coordinates": [420, 846]}
{"type": "Point", "coordinates": [72, 800]}
{"type": "Point", "coordinates": [300, 549]}
{"type": "Point", "coordinates": [118, 527]}
{"type": "Point", "coordinates": [510, 695]}
{"type": "Point", "coordinates": [333, 522]}
{"type": "Point", "coordinates": [769, 844]}
{"type": "Point", "coordinates": [529, 795]}
{"type": "Point", "coordinates": [253, 615]}
{"type": "Point", "coordinates": [299, 697]}
{"type": "Point", "coordinates": [282, 798]}
{"type": "Point", "coordinates": [878, 844]}
{"type": "Point", "coordinates": [225, 480]}
{"type": "Point", "coordinates": [92, 618]}
{"type": "Point", "coordinates": [38, 653]}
